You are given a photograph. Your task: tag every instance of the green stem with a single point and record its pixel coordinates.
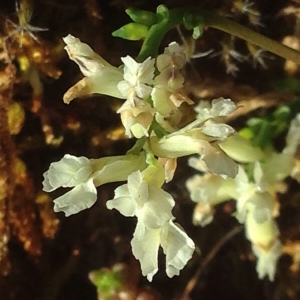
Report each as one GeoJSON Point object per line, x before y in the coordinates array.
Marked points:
{"type": "Point", "coordinates": [221, 23]}
{"type": "Point", "coordinates": [157, 31]}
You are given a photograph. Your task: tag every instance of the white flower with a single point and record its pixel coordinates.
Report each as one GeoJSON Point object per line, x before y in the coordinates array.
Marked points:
{"type": "Point", "coordinates": [168, 93]}
{"type": "Point", "coordinates": [75, 172]}
{"type": "Point", "coordinates": [265, 243]}
{"type": "Point", "coordinates": [202, 137]}
{"type": "Point", "coordinates": [192, 141]}
{"type": "Point", "coordinates": [220, 107]}
{"type": "Point", "coordinates": [173, 56]}
{"type": "Point", "coordinates": [203, 214]}
{"type": "Point", "coordinates": [142, 197]}
{"type": "Point", "coordinates": [68, 172]}
{"type": "Point", "coordinates": [100, 76]}
{"type": "Point", "coordinates": [219, 131]}
{"type": "Point", "coordinates": [210, 188]}
{"type": "Point", "coordinates": [267, 260]}
{"type": "Point", "coordinates": [138, 78]}
{"type": "Point", "coordinates": [136, 118]}
{"type": "Point", "coordinates": [255, 196]}
{"type": "Point", "coordinates": [149, 203]}
{"type": "Point", "coordinates": [177, 247]}
{"type": "Point", "coordinates": [167, 101]}
{"type": "Point", "coordinates": [81, 197]}
{"type": "Point", "coordinates": [84, 175]}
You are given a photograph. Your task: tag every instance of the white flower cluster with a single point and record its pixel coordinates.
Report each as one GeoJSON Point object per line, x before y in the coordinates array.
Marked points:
{"type": "Point", "coordinates": [255, 194]}
{"type": "Point", "coordinates": [151, 98]}
{"type": "Point", "coordinates": [152, 93]}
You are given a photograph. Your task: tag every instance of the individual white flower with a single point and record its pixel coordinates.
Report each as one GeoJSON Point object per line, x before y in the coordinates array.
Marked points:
{"type": "Point", "coordinates": [149, 203]}
{"type": "Point", "coordinates": [220, 107]}
{"type": "Point", "coordinates": [192, 141]}
{"type": "Point", "coordinates": [177, 247]}
{"type": "Point", "coordinates": [100, 76]}
{"type": "Point", "coordinates": [167, 101]}
{"type": "Point", "coordinates": [207, 191]}
{"type": "Point", "coordinates": [265, 243]}
{"type": "Point", "coordinates": [219, 131]}
{"type": "Point", "coordinates": [210, 188]}
{"type": "Point", "coordinates": [138, 78]}
{"type": "Point", "coordinates": [68, 172]}
{"type": "Point", "coordinates": [168, 93]}
{"type": "Point", "coordinates": [256, 196]}
{"type": "Point", "coordinates": [136, 118]}
{"type": "Point", "coordinates": [203, 214]}
{"type": "Point", "coordinates": [173, 56]}
{"type": "Point", "coordinates": [267, 260]}
{"type": "Point", "coordinates": [84, 175]}
{"type": "Point", "coordinates": [74, 172]}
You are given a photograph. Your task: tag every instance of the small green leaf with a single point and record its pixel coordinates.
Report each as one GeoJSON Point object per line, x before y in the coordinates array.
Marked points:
{"type": "Point", "coordinates": [143, 17]}
{"type": "Point", "coordinates": [162, 13]}
{"type": "Point", "coordinates": [131, 31]}
{"type": "Point", "coordinates": [105, 281]}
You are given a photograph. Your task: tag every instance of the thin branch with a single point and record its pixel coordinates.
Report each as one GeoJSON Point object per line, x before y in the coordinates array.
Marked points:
{"type": "Point", "coordinates": [223, 24]}
{"type": "Point", "coordinates": [193, 281]}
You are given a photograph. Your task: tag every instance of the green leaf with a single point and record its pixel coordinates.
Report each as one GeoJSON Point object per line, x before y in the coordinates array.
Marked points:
{"type": "Point", "coordinates": [105, 281]}
{"type": "Point", "coordinates": [162, 12]}
{"type": "Point", "coordinates": [143, 17]}
{"type": "Point", "coordinates": [132, 32]}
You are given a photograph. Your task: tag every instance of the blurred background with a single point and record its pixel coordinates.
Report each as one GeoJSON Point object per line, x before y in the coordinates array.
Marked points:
{"type": "Point", "coordinates": [46, 256]}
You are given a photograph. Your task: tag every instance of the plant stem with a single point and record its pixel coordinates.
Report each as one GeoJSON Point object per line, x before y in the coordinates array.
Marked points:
{"type": "Point", "coordinates": [223, 24]}
{"type": "Point", "coordinates": [157, 32]}
{"type": "Point", "coordinates": [211, 19]}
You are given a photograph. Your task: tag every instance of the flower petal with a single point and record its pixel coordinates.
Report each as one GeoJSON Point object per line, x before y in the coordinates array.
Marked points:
{"type": "Point", "coordinates": [81, 197]}
{"type": "Point", "coordinates": [123, 202]}
{"type": "Point", "coordinates": [68, 172]}
{"type": "Point", "coordinates": [157, 210]}
{"type": "Point", "coordinates": [145, 249]}
{"type": "Point", "coordinates": [101, 77]}
{"type": "Point", "coordinates": [178, 248]}
{"type": "Point", "coordinates": [267, 260]}
{"type": "Point", "coordinates": [217, 161]}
